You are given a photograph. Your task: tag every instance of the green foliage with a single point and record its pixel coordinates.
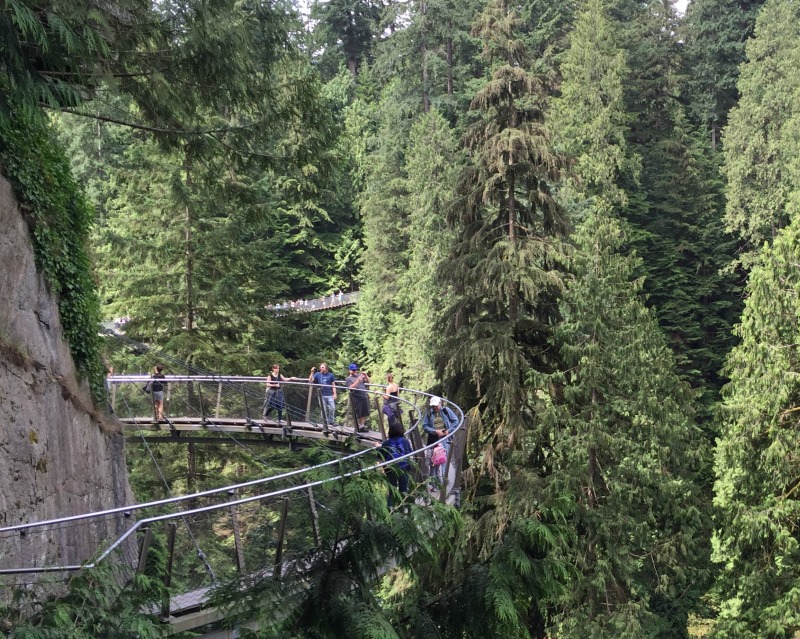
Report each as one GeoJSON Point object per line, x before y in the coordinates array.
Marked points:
{"type": "Point", "coordinates": [675, 208]}
{"type": "Point", "coordinates": [60, 220]}
{"type": "Point", "coordinates": [590, 118]}
{"type": "Point", "coordinates": [329, 591]}
{"type": "Point", "coordinates": [501, 270]}
{"type": "Point", "coordinates": [94, 603]}
{"type": "Point", "coordinates": [624, 449]}
{"type": "Point", "coordinates": [346, 29]}
{"type": "Point", "coordinates": [39, 44]}
{"type": "Point", "coordinates": [716, 32]}
{"type": "Point", "coordinates": [756, 541]}
{"type": "Point", "coordinates": [761, 139]}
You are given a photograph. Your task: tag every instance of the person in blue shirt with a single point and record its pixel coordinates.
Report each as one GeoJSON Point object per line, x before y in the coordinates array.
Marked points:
{"type": "Point", "coordinates": [396, 446]}
{"type": "Point", "coordinates": [327, 382]}
{"type": "Point", "coordinates": [438, 421]}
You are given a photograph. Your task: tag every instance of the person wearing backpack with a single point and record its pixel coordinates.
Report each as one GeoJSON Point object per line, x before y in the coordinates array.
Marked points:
{"type": "Point", "coordinates": [396, 446]}
{"type": "Point", "coordinates": [438, 421]}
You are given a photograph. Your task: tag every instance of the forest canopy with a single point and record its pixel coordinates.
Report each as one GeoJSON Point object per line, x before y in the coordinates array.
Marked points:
{"type": "Point", "coordinates": [575, 220]}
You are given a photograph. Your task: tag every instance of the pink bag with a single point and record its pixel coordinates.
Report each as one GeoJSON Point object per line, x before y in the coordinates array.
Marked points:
{"type": "Point", "coordinates": [439, 455]}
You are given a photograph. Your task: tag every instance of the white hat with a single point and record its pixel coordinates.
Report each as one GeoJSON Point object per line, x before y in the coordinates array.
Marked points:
{"type": "Point", "coordinates": [436, 401]}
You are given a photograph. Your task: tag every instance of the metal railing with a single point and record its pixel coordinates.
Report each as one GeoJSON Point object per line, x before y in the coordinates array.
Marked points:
{"type": "Point", "coordinates": [256, 511]}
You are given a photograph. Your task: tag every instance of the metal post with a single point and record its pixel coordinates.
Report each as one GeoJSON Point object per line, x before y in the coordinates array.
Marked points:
{"type": "Point", "coordinates": [144, 550]}
{"type": "Point", "coordinates": [380, 418]}
{"type": "Point", "coordinates": [421, 469]}
{"type": "Point", "coordinates": [219, 398]}
{"type": "Point", "coordinates": [281, 534]}
{"type": "Point", "coordinates": [288, 415]}
{"type": "Point", "coordinates": [200, 398]}
{"type": "Point", "coordinates": [308, 404]}
{"type": "Point", "coordinates": [312, 505]}
{"type": "Point", "coordinates": [237, 537]}
{"type": "Point", "coordinates": [171, 528]}
{"type": "Point", "coordinates": [246, 408]}
{"type": "Point", "coordinates": [443, 492]}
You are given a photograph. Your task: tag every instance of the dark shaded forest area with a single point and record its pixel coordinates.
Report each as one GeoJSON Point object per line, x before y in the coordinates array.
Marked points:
{"type": "Point", "coordinates": [575, 220]}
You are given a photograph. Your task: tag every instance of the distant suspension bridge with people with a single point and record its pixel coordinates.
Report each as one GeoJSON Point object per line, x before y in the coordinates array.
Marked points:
{"type": "Point", "coordinates": [265, 523]}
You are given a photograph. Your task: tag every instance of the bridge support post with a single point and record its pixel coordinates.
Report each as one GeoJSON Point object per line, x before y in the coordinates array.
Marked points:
{"type": "Point", "coordinates": [219, 399]}
{"type": "Point", "coordinates": [144, 550]}
{"type": "Point", "coordinates": [171, 529]}
{"type": "Point", "coordinates": [380, 418]}
{"type": "Point", "coordinates": [281, 535]}
{"type": "Point", "coordinates": [308, 404]}
{"type": "Point", "coordinates": [421, 469]}
{"type": "Point", "coordinates": [247, 420]}
{"type": "Point", "coordinates": [237, 539]}
{"type": "Point", "coordinates": [200, 399]}
{"type": "Point", "coordinates": [288, 429]}
{"type": "Point", "coordinates": [312, 506]}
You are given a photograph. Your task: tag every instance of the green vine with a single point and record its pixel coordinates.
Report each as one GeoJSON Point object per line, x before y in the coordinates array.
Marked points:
{"type": "Point", "coordinates": [60, 219]}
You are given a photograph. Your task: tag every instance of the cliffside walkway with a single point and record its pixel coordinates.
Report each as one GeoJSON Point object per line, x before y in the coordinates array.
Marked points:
{"type": "Point", "coordinates": [260, 524]}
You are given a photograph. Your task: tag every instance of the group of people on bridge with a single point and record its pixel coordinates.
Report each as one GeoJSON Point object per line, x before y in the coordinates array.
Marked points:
{"type": "Point", "coordinates": [437, 422]}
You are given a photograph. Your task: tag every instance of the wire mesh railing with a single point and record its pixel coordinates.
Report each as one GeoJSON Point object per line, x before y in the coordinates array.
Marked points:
{"type": "Point", "coordinates": [245, 527]}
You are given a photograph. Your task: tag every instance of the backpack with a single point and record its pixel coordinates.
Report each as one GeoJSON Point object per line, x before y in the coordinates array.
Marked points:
{"type": "Point", "coordinates": [392, 449]}
{"type": "Point", "coordinates": [439, 455]}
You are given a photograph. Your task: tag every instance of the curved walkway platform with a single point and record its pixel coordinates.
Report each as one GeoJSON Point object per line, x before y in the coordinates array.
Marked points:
{"type": "Point", "coordinates": [225, 409]}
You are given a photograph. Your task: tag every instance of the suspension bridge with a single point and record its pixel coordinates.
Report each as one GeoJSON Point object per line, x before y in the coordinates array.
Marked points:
{"type": "Point", "coordinates": [257, 528]}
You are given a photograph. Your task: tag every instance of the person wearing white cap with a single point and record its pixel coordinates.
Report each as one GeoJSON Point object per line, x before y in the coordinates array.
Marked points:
{"type": "Point", "coordinates": [439, 421]}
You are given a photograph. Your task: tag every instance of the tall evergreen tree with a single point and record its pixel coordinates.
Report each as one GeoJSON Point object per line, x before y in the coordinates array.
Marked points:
{"type": "Point", "coordinates": [761, 139]}
{"type": "Point", "coordinates": [757, 542]}
{"type": "Point", "coordinates": [602, 411]}
{"type": "Point", "coordinates": [590, 117]}
{"type": "Point", "coordinates": [716, 32]}
{"type": "Point", "coordinates": [347, 28]}
{"type": "Point", "coordinates": [501, 271]}
{"type": "Point", "coordinates": [625, 449]}
{"type": "Point", "coordinates": [674, 210]}
{"type": "Point", "coordinates": [432, 165]}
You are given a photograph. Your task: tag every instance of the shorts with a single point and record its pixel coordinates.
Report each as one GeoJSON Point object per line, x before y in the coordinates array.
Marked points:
{"type": "Point", "coordinates": [360, 406]}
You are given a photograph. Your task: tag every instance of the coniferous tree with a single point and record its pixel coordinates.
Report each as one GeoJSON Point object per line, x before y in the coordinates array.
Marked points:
{"type": "Point", "coordinates": [756, 541]}
{"type": "Point", "coordinates": [502, 276]}
{"type": "Point", "coordinates": [675, 208]}
{"type": "Point", "coordinates": [618, 408]}
{"type": "Point", "coordinates": [760, 142]}
{"type": "Point", "coordinates": [716, 32]}
{"type": "Point", "coordinates": [501, 271]}
{"type": "Point", "coordinates": [347, 28]}
{"type": "Point", "coordinates": [625, 449]}
{"type": "Point", "coordinates": [432, 164]}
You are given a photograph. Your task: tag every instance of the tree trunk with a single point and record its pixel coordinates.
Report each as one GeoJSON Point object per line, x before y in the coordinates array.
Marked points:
{"type": "Point", "coordinates": [188, 249]}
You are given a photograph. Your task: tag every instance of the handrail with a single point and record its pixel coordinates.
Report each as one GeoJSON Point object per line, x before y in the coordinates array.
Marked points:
{"type": "Point", "coordinates": [127, 510]}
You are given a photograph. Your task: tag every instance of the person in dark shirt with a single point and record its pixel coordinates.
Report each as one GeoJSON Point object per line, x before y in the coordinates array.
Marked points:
{"type": "Point", "coordinates": [273, 400]}
{"type": "Point", "coordinates": [357, 383]}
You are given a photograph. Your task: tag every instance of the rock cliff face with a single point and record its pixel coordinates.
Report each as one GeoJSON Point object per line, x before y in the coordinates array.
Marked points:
{"type": "Point", "coordinates": [58, 456]}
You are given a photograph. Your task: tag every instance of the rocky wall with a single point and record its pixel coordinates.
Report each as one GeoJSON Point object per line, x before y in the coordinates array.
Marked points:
{"type": "Point", "coordinates": [59, 456]}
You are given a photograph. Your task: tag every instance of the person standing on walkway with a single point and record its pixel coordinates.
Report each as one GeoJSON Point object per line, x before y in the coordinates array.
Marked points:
{"type": "Point", "coordinates": [157, 390]}
{"type": "Point", "coordinates": [273, 401]}
{"type": "Point", "coordinates": [397, 446]}
{"type": "Point", "coordinates": [391, 399]}
{"type": "Point", "coordinates": [438, 422]}
{"type": "Point", "coordinates": [327, 381]}
{"type": "Point", "coordinates": [359, 400]}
